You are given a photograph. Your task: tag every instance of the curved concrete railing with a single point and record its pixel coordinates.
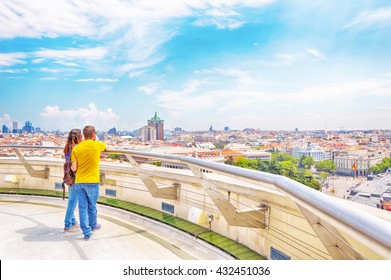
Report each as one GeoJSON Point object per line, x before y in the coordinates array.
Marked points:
{"type": "Point", "coordinates": [271, 214]}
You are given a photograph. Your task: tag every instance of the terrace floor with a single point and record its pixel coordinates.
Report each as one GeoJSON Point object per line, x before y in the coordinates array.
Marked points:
{"type": "Point", "coordinates": [32, 229]}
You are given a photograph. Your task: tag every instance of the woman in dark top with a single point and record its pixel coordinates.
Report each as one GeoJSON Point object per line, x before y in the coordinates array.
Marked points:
{"type": "Point", "coordinates": [70, 222]}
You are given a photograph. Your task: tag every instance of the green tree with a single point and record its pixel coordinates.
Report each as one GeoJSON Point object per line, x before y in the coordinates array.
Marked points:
{"type": "Point", "coordinates": [326, 166]}
{"type": "Point", "coordinates": [374, 169]}
{"type": "Point", "coordinates": [288, 169]}
{"type": "Point", "coordinates": [306, 162]}
{"type": "Point", "coordinates": [323, 175]}
{"type": "Point", "coordinates": [274, 167]}
{"type": "Point", "coordinates": [283, 157]}
{"type": "Point", "coordinates": [262, 165]}
{"type": "Point", "coordinates": [282, 164]}
{"type": "Point", "coordinates": [114, 156]}
{"type": "Point", "coordinates": [305, 177]}
{"type": "Point", "coordinates": [380, 167]}
{"type": "Point", "coordinates": [242, 162]}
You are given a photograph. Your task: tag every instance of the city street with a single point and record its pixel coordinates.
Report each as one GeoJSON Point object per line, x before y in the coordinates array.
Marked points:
{"type": "Point", "coordinates": [338, 186]}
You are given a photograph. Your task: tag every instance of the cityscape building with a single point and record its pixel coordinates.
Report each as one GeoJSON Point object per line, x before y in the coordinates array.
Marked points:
{"type": "Point", "coordinates": [28, 127]}
{"type": "Point", "coordinates": [311, 150]}
{"type": "Point", "coordinates": [148, 134]}
{"type": "Point", "coordinates": [157, 123]}
{"type": "Point", "coordinates": [112, 131]}
{"type": "Point", "coordinates": [5, 129]}
{"type": "Point", "coordinates": [14, 127]}
{"type": "Point", "coordinates": [356, 162]}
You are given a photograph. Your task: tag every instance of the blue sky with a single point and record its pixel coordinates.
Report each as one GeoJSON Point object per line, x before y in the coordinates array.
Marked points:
{"type": "Point", "coordinates": [273, 65]}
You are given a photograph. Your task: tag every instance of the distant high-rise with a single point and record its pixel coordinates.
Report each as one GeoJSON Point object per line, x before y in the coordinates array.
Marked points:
{"type": "Point", "coordinates": [5, 129]}
{"type": "Point", "coordinates": [157, 123]}
{"type": "Point", "coordinates": [112, 131]}
{"type": "Point", "coordinates": [15, 127]}
{"type": "Point", "coordinates": [28, 127]}
{"type": "Point", "coordinates": [148, 134]}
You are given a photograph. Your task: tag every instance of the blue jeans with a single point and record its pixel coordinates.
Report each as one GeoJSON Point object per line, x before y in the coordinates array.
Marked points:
{"type": "Point", "coordinates": [70, 219]}
{"type": "Point", "coordinates": [87, 196]}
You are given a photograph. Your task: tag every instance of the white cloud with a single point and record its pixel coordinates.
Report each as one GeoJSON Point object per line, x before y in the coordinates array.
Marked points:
{"type": "Point", "coordinates": [220, 23]}
{"type": "Point", "coordinates": [38, 60]}
{"type": "Point", "coordinates": [9, 59]}
{"type": "Point", "coordinates": [134, 74]}
{"type": "Point", "coordinates": [139, 67]}
{"type": "Point", "coordinates": [243, 79]}
{"type": "Point", "coordinates": [349, 90]}
{"type": "Point", "coordinates": [55, 70]}
{"type": "Point", "coordinates": [71, 64]}
{"type": "Point", "coordinates": [73, 54]}
{"type": "Point", "coordinates": [103, 80]}
{"type": "Point", "coordinates": [317, 53]}
{"type": "Point", "coordinates": [221, 13]}
{"type": "Point", "coordinates": [14, 71]}
{"type": "Point", "coordinates": [49, 79]}
{"type": "Point", "coordinates": [224, 89]}
{"type": "Point", "coordinates": [186, 100]}
{"type": "Point", "coordinates": [293, 58]}
{"type": "Point", "coordinates": [379, 18]}
{"type": "Point", "coordinates": [148, 89]}
{"type": "Point", "coordinates": [132, 31]}
{"type": "Point", "coordinates": [55, 118]}
{"type": "Point", "coordinates": [221, 92]}
{"type": "Point", "coordinates": [285, 59]}
{"type": "Point", "coordinates": [6, 120]}
{"type": "Point", "coordinates": [35, 19]}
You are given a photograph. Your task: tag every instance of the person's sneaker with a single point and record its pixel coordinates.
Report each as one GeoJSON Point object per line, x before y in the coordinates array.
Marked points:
{"type": "Point", "coordinates": [67, 230]}
{"type": "Point", "coordinates": [76, 226]}
{"type": "Point", "coordinates": [98, 226]}
{"type": "Point", "coordinates": [87, 237]}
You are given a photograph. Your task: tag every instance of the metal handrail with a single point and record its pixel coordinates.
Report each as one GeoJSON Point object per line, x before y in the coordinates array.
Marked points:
{"type": "Point", "coordinates": [364, 223]}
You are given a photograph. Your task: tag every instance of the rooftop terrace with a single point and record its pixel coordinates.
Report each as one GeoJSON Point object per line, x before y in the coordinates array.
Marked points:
{"type": "Point", "coordinates": [32, 229]}
{"type": "Point", "coordinates": [270, 216]}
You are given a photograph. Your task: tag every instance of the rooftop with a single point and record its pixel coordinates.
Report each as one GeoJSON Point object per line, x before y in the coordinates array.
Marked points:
{"type": "Point", "coordinates": [32, 229]}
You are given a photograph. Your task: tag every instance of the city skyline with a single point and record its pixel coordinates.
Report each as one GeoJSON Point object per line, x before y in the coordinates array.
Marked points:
{"type": "Point", "coordinates": [21, 128]}
{"type": "Point", "coordinates": [262, 64]}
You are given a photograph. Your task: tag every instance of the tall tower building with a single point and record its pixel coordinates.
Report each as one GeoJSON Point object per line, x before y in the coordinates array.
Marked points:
{"type": "Point", "coordinates": [148, 134]}
{"type": "Point", "coordinates": [157, 123]}
{"type": "Point", "coordinates": [14, 127]}
{"type": "Point", "coordinates": [28, 127]}
{"type": "Point", "coordinates": [5, 129]}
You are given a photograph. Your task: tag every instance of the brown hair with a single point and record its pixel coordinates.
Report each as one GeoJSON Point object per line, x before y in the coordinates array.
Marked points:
{"type": "Point", "coordinates": [73, 138]}
{"type": "Point", "coordinates": [88, 131]}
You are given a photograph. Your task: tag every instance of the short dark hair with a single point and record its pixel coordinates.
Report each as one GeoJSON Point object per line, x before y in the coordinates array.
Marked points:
{"type": "Point", "coordinates": [88, 131]}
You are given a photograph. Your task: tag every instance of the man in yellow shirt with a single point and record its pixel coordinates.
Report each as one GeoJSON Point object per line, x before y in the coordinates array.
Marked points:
{"type": "Point", "coordinates": [85, 160]}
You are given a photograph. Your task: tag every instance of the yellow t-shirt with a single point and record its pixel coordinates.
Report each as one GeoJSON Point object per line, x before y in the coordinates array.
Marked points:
{"type": "Point", "coordinates": [87, 154]}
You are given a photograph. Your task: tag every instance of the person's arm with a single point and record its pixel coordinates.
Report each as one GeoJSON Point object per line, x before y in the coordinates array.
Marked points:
{"type": "Point", "coordinates": [74, 166]}
{"type": "Point", "coordinates": [74, 161]}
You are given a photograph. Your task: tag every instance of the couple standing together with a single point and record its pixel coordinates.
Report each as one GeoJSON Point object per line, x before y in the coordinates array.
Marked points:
{"type": "Point", "coordinates": [83, 157]}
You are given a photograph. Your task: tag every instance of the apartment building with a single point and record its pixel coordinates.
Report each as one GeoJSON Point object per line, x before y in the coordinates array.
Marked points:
{"type": "Point", "coordinates": [360, 159]}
